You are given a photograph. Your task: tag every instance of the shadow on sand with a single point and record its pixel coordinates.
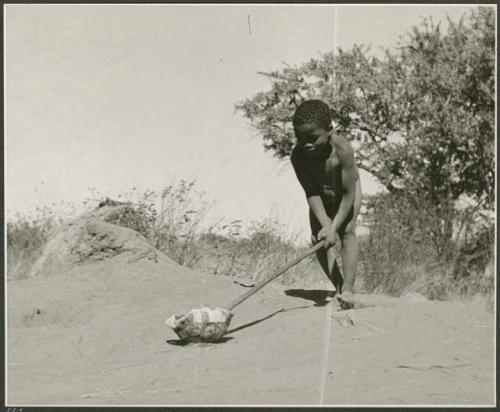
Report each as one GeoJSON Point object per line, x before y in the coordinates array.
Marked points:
{"type": "Point", "coordinates": [318, 296]}
{"type": "Point", "coordinates": [255, 322]}
{"type": "Point", "coordinates": [179, 342]}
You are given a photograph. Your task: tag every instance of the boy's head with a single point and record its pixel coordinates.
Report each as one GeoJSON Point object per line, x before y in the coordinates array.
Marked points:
{"type": "Point", "coordinates": [312, 123]}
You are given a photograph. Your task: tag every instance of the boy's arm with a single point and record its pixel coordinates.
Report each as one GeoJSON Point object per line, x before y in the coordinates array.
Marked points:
{"type": "Point", "coordinates": [316, 205]}
{"type": "Point", "coordinates": [349, 178]}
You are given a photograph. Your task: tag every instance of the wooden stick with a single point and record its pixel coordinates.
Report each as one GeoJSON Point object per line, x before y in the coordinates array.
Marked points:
{"type": "Point", "coordinates": [265, 281]}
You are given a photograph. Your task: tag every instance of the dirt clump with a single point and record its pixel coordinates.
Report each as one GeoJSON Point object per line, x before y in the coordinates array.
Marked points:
{"type": "Point", "coordinates": [92, 237]}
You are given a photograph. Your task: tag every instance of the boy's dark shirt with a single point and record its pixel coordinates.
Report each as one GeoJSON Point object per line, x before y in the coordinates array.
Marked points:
{"type": "Point", "coordinates": [311, 173]}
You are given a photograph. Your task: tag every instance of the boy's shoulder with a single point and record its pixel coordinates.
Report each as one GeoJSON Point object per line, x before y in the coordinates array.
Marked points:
{"type": "Point", "coordinates": [343, 149]}
{"type": "Point", "coordinates": [342, 144]}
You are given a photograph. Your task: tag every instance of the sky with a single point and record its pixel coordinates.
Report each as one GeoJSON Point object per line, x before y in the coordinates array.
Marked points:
{"type": "Point", "coordinates": [113, 97]}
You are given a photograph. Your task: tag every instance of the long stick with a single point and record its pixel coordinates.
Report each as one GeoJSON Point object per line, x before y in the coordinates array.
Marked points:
{"type": "Point", "coordinates": [265, 281]}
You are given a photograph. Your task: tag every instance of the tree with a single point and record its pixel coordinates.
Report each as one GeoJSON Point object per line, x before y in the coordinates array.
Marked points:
{"type": "Point", "coordinates": [435, 92]}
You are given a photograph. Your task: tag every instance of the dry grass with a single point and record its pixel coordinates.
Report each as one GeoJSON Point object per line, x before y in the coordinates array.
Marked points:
{"type": "Point", "coordinates": [403, 253]}
{"type": "Point", "coordinates": [266, 248]}
{"type": "Point", "coordinates": [400, 255]}
{"type": "Point", "coordinates": [26, 237]}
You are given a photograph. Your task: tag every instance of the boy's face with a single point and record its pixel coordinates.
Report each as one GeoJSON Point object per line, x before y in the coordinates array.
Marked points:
{"type": "Point", "coordinates": [313, 139]}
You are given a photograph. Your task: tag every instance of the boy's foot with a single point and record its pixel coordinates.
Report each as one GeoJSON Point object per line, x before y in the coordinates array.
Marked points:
{"type": "Point", "coordinates": [346, 300]}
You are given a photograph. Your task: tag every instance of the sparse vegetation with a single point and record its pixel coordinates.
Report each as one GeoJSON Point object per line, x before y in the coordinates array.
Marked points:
{"type": "Point", "coordinates": [26, 237]}
{"type": "Point", "coordinates": [265, 249]}
{"type": "Point", "coordinates": [403, 254]}
{"type": "Point", "coordinates": [173, 221]}
{"type": "Point", "coordinates": [400, 255]}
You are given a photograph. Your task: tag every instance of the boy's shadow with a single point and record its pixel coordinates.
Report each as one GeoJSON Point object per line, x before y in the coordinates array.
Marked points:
{"type": "Point", "coordinates": [318, 296]}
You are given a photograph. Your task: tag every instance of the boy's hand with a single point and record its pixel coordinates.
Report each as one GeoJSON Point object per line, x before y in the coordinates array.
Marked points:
{"type": "Point", "coordinates": [329, 234]}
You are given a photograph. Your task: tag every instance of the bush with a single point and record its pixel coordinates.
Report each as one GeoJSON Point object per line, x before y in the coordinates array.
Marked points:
{"type": "Point", "coordinates": [26, 238]}
{"type": "Point", "coordinates": [411, 247]}
{"type": "Point", "coordinates": [168, 219]}
{"type": "Point", "coordinates": [266, 248]}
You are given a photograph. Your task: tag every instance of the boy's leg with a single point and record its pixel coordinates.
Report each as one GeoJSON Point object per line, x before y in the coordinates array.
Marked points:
{"type": "Point", "coordinates": [350, 249]}
{"type": "Point", "coordinates": [349, 252]}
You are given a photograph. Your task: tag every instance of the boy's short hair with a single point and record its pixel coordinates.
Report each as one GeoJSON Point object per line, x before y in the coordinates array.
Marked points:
{"type": "Point", "coordinates": [313, 111]}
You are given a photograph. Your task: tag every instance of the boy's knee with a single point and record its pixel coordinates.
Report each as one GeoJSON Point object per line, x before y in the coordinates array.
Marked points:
{"type": "Point", "coordinates": [348, 235]}
{"type": "Point", "coordinates": [350, 229]}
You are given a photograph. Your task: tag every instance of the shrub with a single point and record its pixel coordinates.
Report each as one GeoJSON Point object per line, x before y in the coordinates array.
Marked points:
{"type": "Point", "coordinates": [266, 248]}
{"type": "Point", "coordinates": [26, 238]}
{"type": "Point", "coordinates": [406, 250]}
{"type": "Point", "coordinates": [168, 219]}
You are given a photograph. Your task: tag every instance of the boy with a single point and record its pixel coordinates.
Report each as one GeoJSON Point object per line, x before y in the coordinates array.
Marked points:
{"type": "Point", "coordinates": [324, 163]}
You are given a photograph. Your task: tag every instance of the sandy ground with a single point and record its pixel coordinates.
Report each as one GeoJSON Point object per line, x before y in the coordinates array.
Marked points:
{"type": "Point", "coordinates": [95, 335]}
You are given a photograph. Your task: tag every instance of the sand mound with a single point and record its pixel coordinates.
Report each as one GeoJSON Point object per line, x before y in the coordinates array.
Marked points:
{"type": "Point", "coordinates": [92, 237]}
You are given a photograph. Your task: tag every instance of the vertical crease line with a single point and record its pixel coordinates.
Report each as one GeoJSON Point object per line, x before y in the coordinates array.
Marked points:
{"type": "Point", "coordinates": [335, 35]}
{"type": "Point", "coordinates": [202, 300]}
{"type": "Point", "coordinates": [326, 353]}
{"type": "Point", "coordinates": [326, 343]}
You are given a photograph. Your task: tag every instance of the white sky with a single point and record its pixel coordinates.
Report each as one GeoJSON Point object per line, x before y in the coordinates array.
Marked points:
{"type": "Point", "coordinates": [117, 96]}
